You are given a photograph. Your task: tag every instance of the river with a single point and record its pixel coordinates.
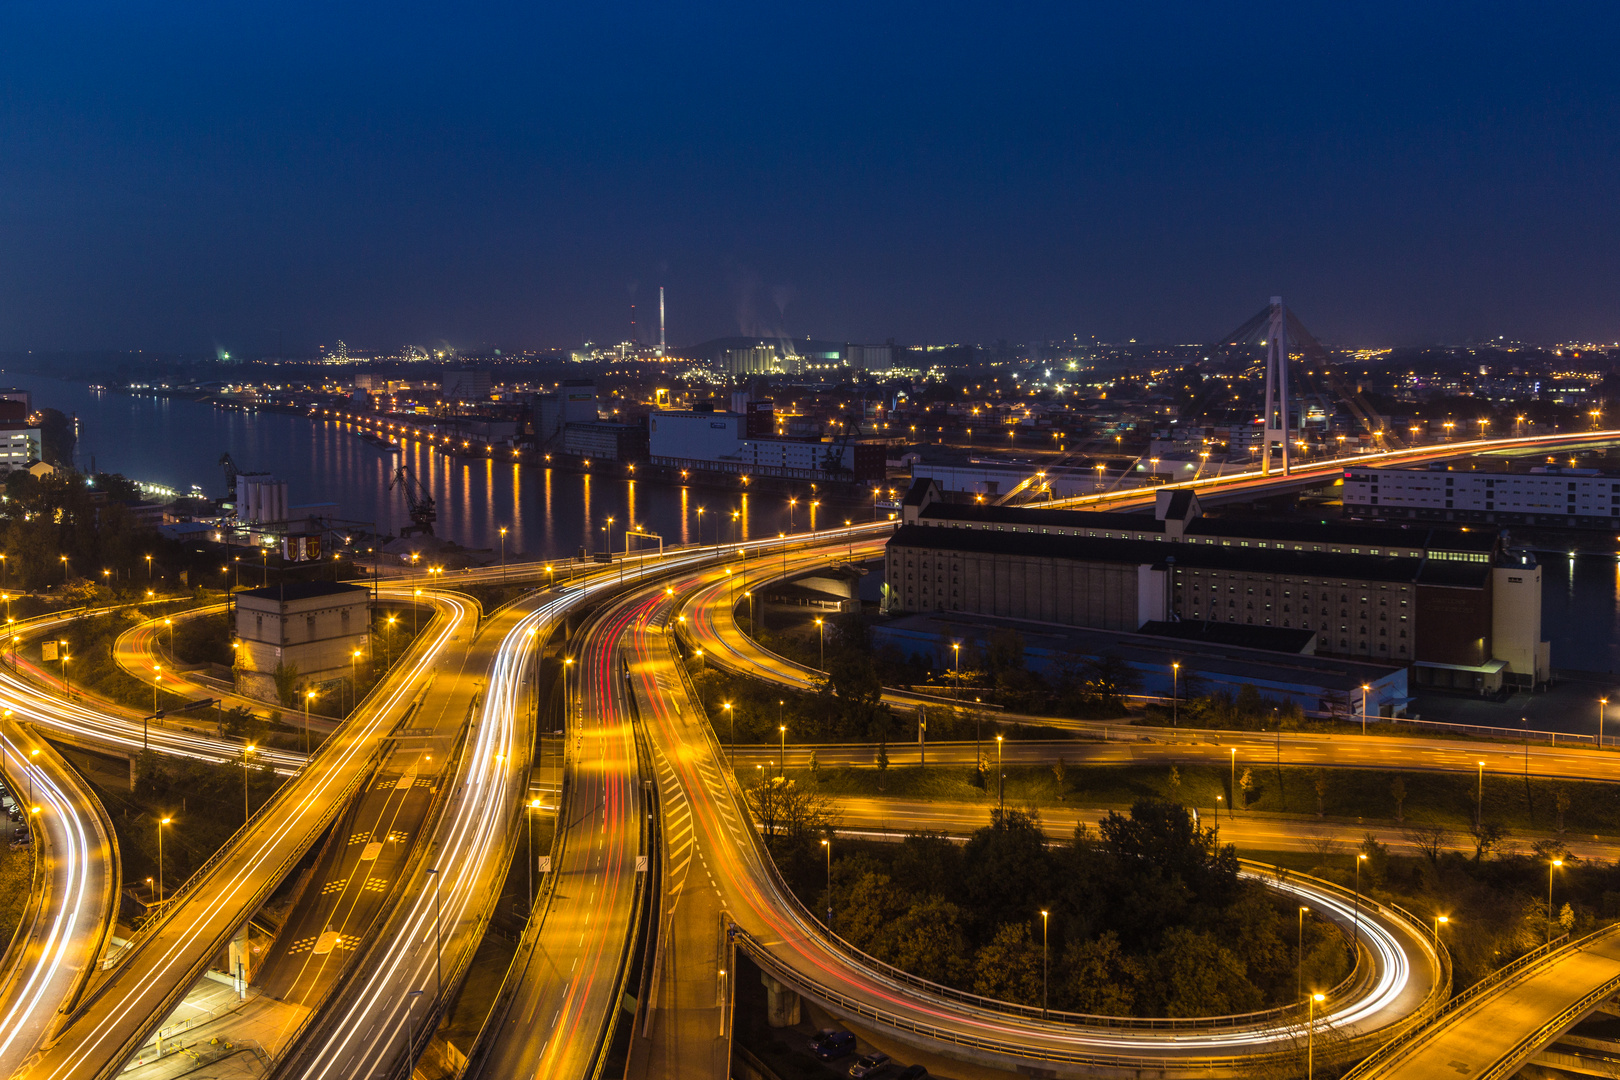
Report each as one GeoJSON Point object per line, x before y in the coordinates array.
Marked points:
{"type": "Point", "coordinates": [548, 513]}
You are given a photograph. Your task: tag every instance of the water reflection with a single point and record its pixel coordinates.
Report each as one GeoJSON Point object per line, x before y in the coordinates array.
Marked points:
{"type": "Point", "coordinates": [548, 512]}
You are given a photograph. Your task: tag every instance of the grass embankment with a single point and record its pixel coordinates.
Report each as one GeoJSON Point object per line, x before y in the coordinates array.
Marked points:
{"type": "Point", "coordinates": [1447, 800]}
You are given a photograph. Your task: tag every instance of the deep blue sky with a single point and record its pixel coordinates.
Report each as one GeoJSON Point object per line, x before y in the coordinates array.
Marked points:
{"type": "Point", "coordinates": [189, 175]}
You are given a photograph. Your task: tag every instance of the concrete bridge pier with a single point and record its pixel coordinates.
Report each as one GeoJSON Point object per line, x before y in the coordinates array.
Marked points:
{"type": "Point", "coordinates": [241, 960]}
{"type": "Point", "coordinates": [781, 1004]}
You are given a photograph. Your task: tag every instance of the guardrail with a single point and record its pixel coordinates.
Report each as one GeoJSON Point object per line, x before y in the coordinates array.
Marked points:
{"type": "Point", "coordinates": [1525, 1048]}
{"type": "Point", "coordinates": [1533, 959]}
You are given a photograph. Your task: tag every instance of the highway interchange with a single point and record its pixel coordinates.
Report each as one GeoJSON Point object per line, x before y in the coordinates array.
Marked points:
{"type": "Point", "coordinates": [629, 674]}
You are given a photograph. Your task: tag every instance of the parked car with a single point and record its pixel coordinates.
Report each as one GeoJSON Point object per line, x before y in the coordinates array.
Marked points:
{"type": "Point", "coordinates": [869, 1065]}
{"type": "Point", "coordinates": [830, 1043]}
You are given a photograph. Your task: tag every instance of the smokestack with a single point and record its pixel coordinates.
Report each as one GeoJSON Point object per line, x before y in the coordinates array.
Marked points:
{"type": "Point", "coordinates": [660, 320]}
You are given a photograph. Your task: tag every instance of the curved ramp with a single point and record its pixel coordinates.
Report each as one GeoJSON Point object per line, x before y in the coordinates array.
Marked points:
{"type": "Point", "coordinates": [1496, 1028]}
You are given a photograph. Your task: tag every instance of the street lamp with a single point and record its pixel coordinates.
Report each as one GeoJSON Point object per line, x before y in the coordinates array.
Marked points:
{"type": "Point", "coordinates": [1175, 693]}
{"type": "Point", "coordinates": [1310, 1035]}
{"type": "Point", "coordinates": [781, 766]}
{"type": "Point", "coordinates": [821, 629]}
{"type": "Point", "coordinates": [503, 552]}
{"type": "Point", "coordinates": [1479, 797]}
{"type": "Point", "coordinates": [828, 845]}
{"type": "Point", "coordinates": [1438, 920]}
{"type": "Point", "coordinates": [956, 649]}
{"type": "Point", "coordinates": [1364, 689]}
{"type": "Point", "coordinates": [1231, 808]}
{"type": "Point", "coordinates": [731, 755]}
{"type": "Point", "coordinates": [1299, 961]}
{"type": "Point", "coordinates": [246, 813]}
{"type": "Point", "coordinates": [1602, 704]}
{"type": "Point", "coordinates": [1045, 965]}
{"type": "Point", "coordinates": [309, 695]}
{"type": "Point", "coordinates": [534, 804]}
{"type": "Point", "coordinates": [438, 944]}
{"type": "Point", "coordinates": [161, 822]}
{"type": "Point", "coordinates": [1555, 864]}
{"type": "Point", "coordinates": [1000, 778]}
{"type": "Point", "coordinates": [1361, 857]}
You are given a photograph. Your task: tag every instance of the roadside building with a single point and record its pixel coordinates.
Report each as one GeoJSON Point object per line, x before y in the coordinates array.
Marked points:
{"type": "Point", "coordinates": [1420, 597]}
{"type": "Point", "coordinates": [313, 626]}
{"type": "Point", "coordinates": [1546, 495]}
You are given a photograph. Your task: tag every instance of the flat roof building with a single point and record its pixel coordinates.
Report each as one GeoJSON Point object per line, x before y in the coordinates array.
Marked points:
{"type": "Point", "coordinates": [1424, 596]}
{"type": "Point", "coordinates": [314, 627]}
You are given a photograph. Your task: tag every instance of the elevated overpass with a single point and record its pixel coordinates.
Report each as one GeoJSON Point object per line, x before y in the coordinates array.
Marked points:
{"type": "Point", "coordinates": [1500, 1025]}
{"type": "Point", "coordinates": [175, 947]}
{"type": "Point", "coordinates": [1255, 484]}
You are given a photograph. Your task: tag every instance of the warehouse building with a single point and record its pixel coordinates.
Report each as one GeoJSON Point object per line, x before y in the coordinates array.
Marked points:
{"type": "Point", "coordinates": [1546, 495]}
{"type": "Point", "coordinates": [1447, 602]}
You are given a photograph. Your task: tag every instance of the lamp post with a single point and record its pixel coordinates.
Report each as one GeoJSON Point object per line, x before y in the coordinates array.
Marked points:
{"type": "Point", "coordinates": [956, 649]}
{"type": "Point", "coordinates": [1045, 965]}
{"type": "Point", "coordinates": [1439, 919]}
{"type": "Point", "coordinates": [157, 677]}
{"type": "Point", "coordinates": [246, 813]}
{"type": "Point", "coordinates": [1364, 689]}
{"type": "Point", "coordinates": [731, 754]}
{"type": "Point", "coordinates": [67, 689]}
{"type": "Point", "coordinates": [309, 695]}
{"type": "Point", "coordinates": [1602, 703]}
{"type": "Point", "coordinates": [503, 552]}
{"type": "Point", "coordinates": [438, 942]}
{"type": "Point", "coordinates": [821, 629]}
{"type": "Point", "coordinates": [1175, 693]}
{"type": "Point", "coordinates": [1310, 1036]}
{"type": "Point", "coordinates": [534, 804]}
{"type": "Point", "coordinates": [1000, 777]}
{"type": "Point", "coordinates": [149, 569]}
{"type": "Point", "coordinates": [781, 767]}
{"type": "Point", "coordinates": [1231, 809]}
{"type": "Point", "coordinates": [170, 624]}
{"type": "Point", "coordinates": [1555, 864]}
{"type": "Point", "coordinates": [568, 662]}
{"type": "Point", "coordinates": [828, 845]}
{"type": "Point", "coordinates": [1299, 956]}
{"type": "Point", "coordinates": [161, 822]}
{"type": "Point", "coordinates": [1361, 857]}
{"type": "Point", "coordinates": [1479, 797]}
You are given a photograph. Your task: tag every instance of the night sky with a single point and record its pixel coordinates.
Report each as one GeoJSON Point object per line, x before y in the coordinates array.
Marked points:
{"type": "Point", "coordinates": [183, 176]}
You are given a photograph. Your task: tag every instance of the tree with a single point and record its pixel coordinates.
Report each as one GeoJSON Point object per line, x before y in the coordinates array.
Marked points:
{"type": "Point", "coordinates": [1161, 835]}
{"type": "Point", "coordinates": [286, 678]}
{"type": "Point", "coordinates": [1060, 770]}
{"type": "Point", "coordinates": [882, 761]}
{"type": "Point", "coordinates": [1246, 784]}
{"type": "Point", "coordinates": [1321, 785]}
{"type": "Point", "coordinates": [927, 940]}
{"type": "Point", "coordinates": [815, 767]}
{"type": "Point", "coordinates": [1099, 978]}
{"type": "Point", "coordinates": [1561, 804]}
{"type": "Point", "coordinates": [1173, 784]}
{"type": "Point", "coordinates": [1008, 967]}
{"type": "Point", "coordinates": [1430, 841]}
{"type": "Point", "coordinates": [1398, 790]}
{"type": "Point", "coordinates": [1004, 865]}
{"type": "Point", "coordinates": [1199, 976]}
{"type": "Point", "coordinates": [1375, 867]}
{"type": "Point", "coordinates": [1487, 835]}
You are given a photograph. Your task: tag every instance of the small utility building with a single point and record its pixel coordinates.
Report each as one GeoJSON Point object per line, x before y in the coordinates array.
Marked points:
{"type": "Point", "coordinates": [315, 625]}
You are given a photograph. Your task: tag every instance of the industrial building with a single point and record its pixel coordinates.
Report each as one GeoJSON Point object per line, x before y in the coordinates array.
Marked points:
{"type": "Point", "coordinates": [1448, 602]}
{"type": "Point", "coordinates": [316, 626]}
{"type": "Point", "coordinates": [572, 403]}
{"type": "Point", "coordinates": [19, 446]}
{"type": "Point", "coordinates": [739, 443]}
{"type": "Point", "coordinates": [1546, 495]}
{"type": "Point", "coordinates": [605, 442]}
